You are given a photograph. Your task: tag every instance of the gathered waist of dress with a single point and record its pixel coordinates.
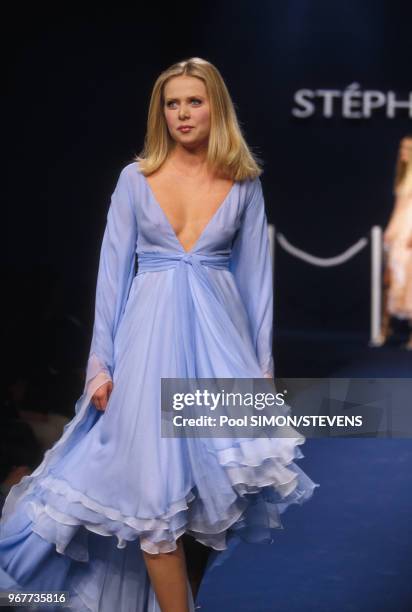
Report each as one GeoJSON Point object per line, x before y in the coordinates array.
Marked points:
{"type": "Point", "coordinates": [155, 261]}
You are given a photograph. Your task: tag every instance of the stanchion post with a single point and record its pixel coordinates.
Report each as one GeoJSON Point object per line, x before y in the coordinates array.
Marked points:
{"type": "Point", "coordinates": [271, 231]}
{"type": "Point", "coordinates": [272, 246]}
{"type": "Point", "coordinates": [376, 287]}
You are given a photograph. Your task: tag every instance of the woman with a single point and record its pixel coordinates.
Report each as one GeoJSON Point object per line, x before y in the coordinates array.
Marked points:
{"type": "Point", "coordinates": [398, 245]}
{"type": "Point", "coordinates": [191, 207]}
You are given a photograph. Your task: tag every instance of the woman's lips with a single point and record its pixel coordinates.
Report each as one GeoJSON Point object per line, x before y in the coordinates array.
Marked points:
{"type": "Point", "coordinates": [185, 129]}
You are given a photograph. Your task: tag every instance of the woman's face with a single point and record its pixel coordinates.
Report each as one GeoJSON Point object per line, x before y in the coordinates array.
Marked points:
{"type": "Point", "coordinates": [405, 150]}
{"type": "Point", "coordinates": [187, 103]}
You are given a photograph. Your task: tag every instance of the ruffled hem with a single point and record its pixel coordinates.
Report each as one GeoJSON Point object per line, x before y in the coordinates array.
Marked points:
{"type": "Point", "coordinates": [400, 313]}
{"type": "Point", "coordinates": [255, 481]}
{"type": "Point", "coordinates": [58, 511]}
{"type": "Point", "coordinates": [239, 493]}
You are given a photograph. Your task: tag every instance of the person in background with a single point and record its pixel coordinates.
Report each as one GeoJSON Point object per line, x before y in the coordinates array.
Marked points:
{"type": "Point", "coordinates": [397, 240]}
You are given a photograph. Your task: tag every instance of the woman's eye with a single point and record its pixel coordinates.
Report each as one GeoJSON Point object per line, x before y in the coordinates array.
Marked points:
{"type": "Point", "coordinates": [193, 100]}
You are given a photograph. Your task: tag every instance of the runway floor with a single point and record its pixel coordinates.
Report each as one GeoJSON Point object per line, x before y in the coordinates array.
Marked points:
{"type": "Point", "coordinates": [349, 548]}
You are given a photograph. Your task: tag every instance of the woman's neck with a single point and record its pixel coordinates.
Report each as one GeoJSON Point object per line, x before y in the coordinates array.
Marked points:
{"type": "Point", "coordinates": [192, 163]}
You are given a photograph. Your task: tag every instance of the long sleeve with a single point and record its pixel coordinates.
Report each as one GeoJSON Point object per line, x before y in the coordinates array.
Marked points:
{"type": "Point", "coordinates": [114, 278]}
{"type": "Point", "coordinates": [251, 265]}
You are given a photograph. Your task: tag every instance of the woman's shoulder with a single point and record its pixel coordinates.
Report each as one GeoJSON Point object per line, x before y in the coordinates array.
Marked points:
{"type": "Point", "coordinates": [131, 170]}
{"type": "Point", "coordinates": [129, 175]}
{"type": "Point", "coordinates": [252, 190]}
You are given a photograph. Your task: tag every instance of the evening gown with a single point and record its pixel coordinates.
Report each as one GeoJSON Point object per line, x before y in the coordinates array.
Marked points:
{"type": "Point", "coordinates": [398, 236]}
{"type": "Point", "coordinates": [112, 485]}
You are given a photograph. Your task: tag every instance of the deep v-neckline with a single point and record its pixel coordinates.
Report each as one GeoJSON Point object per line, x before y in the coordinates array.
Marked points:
{"type": "Point", "coordinates": [170, 226]}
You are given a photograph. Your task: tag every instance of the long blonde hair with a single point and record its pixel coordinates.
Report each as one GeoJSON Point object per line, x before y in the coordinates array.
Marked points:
{"type": "Point", "coordinates": [403, 172]}
{"type": "Point", "coordinates": [227, 149]}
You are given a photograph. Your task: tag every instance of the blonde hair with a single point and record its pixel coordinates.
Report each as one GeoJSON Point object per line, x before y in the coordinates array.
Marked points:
{"type": "Point", "coordinates": [403, 172]}
{"type": "Point", "coordinates": [227, 150]}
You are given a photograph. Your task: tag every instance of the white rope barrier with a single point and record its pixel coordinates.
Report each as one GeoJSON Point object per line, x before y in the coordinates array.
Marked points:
{"type": "Point", "coordinates": [376, 269]}
{"type": "Point", "coordinates": [322, 261]}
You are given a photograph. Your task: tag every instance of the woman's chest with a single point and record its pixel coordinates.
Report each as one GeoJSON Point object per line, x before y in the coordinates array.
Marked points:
{"type": "Point", "coordinates": [187, 220]}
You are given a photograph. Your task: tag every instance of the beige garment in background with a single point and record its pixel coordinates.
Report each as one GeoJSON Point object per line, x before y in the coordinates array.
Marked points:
{"type": "Point", "coordinates": [399, 258]}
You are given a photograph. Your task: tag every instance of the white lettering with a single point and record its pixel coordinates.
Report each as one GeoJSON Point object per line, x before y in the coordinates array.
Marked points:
{"type": "Point", "coordinates": [352, 99]}
{"type": "Point", "coordinates": [393, 104]}
{"type": "Point", "coordinates": [328, 96]}
{"type": "Point", "coordinates": [308, 106]}
{"type": "Point", "coordinates": [356, 104]}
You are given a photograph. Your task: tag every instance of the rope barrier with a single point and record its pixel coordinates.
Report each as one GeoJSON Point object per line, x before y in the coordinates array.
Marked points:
{"type": "Point", "coordinates": [322, 261]}
{"type": "Point", "coordinates": [376, 258]}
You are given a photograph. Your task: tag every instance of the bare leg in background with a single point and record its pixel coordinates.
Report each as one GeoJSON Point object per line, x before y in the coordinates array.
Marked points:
{"type": "Point", "coordinates": [386, 329]}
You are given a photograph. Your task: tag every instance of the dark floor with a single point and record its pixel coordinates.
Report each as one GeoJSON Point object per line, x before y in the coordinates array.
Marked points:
{"type": "Point", "coordinates": [349, 548]}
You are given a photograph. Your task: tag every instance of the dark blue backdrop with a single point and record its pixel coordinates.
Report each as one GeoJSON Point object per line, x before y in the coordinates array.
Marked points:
{"type": "Point", "coordinates": [78, 92]}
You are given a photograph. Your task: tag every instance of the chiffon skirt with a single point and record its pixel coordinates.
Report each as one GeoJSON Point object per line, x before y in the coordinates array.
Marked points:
{"type": "Point", "coordinates": [112, 486]}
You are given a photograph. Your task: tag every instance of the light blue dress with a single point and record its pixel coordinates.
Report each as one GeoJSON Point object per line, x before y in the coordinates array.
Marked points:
{"type": "Point", "coordinates": [111, 485]}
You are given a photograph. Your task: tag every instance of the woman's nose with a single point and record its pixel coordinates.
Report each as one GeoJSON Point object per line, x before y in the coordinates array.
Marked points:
{"type": "Point", "coordinates": [183, 112]}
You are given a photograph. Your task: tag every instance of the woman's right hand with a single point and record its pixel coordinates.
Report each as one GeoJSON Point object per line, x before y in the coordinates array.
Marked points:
{"type": "Point", "coordinates": [101, 395]}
